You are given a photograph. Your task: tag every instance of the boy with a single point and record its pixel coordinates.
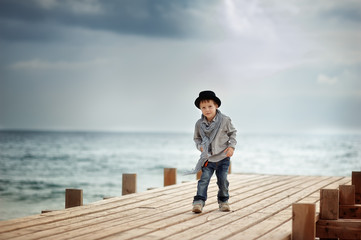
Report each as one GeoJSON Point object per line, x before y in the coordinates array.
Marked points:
{"type": "Point", "coordinates": [215, 137]}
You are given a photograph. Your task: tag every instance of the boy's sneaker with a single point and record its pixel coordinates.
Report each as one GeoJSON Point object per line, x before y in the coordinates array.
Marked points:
{"type": "Point", "coordinates": [197, 208]}
{"type": "Point", "coordinates": [224, 207]}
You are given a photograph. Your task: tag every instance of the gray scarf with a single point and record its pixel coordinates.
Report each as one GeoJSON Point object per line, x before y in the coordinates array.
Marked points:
{"type": "Point", "coordinates": [208, 133]}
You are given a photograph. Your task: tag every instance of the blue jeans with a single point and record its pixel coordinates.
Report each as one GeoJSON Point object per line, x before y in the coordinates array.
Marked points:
{"type": "Point", "coordinates": [221, 169]}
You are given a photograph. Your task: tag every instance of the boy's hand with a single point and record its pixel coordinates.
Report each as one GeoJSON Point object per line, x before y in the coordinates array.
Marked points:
{"type": "Point", "coordinates": [229, 151]}
{"type": "Point", "coordinates": [201, 149]}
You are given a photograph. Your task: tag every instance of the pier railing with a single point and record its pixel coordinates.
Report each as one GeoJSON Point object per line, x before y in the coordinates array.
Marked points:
{"type": "Point", "coordinates": [339, 216]}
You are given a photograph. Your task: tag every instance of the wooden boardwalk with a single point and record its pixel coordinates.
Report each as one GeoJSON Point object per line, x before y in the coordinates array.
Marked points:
{"type": "Point", "coordinates": [261, 208]}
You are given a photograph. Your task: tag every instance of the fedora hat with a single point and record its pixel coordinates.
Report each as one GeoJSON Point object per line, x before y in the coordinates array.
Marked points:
{"type": "Point", "coordinates": [207, 95]}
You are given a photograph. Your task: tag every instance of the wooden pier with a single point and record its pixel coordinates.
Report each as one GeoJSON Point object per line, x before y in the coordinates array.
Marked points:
{"type": "Point", "coordinates": [261, 208]}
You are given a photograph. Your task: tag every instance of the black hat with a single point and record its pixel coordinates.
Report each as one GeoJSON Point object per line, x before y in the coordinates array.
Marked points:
{"type": "Point", "coordinates": [207, 95]}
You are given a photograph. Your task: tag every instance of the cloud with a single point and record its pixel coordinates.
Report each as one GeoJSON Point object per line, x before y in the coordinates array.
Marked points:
{"type": "Point", "coordinates": [37, 64]}
{"type": "Point", "coordinates": [162, 18]}
{"type": "Point", "coordinates": [323, 79]}
{"type": "Point", "coordinates": [96, 61]}
{"type": "Point", "coordinates": [343, 12]}
{"type": "Point", "coordinates": [78, 7]}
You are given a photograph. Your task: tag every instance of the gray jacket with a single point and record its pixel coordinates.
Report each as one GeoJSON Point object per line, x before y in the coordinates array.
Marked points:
{"type": "Point", "coordinates": [226, 137]}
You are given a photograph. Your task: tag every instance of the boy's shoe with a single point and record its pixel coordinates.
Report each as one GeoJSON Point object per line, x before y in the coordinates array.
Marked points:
{"type": "Point", "coordinates": [224, 207]}
{"type": "Point", "coordinates": [197, 208]}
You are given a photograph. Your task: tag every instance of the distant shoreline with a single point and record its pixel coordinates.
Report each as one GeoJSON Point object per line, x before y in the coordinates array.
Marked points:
{"type": "Point", "coordinates": [251, 133]}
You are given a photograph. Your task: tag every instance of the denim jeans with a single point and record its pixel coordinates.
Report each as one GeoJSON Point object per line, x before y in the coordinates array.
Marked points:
{"type": "Point", "coordinates": [221, 169]}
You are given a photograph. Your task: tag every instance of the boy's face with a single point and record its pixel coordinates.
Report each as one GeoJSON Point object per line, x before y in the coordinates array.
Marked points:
{"type": "Point", "coordinates": [209, 109]}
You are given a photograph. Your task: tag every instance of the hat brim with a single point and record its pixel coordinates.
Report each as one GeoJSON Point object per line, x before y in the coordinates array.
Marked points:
{"type": "Point", "coordinates": [214, 98]}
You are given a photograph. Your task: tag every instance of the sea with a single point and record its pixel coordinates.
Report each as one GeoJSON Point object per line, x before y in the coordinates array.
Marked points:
{"type": "Point", "coordinates": [37, 166]}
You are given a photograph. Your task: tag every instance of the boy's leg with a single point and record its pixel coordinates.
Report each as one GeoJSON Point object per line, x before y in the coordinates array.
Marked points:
{"type": "Point", "coordinates": [222, 182]}
{"type": "Point", "coordinates": [203, 183]}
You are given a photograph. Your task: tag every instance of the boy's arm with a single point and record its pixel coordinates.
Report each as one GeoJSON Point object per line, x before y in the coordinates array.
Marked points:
{"type": "Point", "coordinates": [197, 137]}
{"type": "Point", "coordinates": [232, 133]}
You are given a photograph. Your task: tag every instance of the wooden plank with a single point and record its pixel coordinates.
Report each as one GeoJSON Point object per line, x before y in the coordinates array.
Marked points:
{"type": "Point", "coordinates": [133, 229]}
{"type": "Point", "coordinates": [260, 207]}
{"type": "Point", "coordinates": [263, 223]}
{"type": "Point", "coordinates": [129, 183]}
{"type": "Point", "coordinates": [350, 211]}
{"type": "Point", "coordinates": [347, 194]}
{"type": "Point", "coordinates": [103, 206]}
{"type": "Point", "coordinates": [127, 220]}
{"type": "Point", "coordinates": [237, 228]}
{"type": "Point", "coordinates": [182, 213]}
{"type": "Point", "coordinates": [88, 220]}
{"type": "Point", "coordinates": [244, 195]}
{"type": "Point", "coordinates": [341, 228]}
{"type": "Point", "coordinates": [303, 221]}
{"type": "Point", "coordinates": [283, 231]}
{"type": "Point", "coordinates": [263, 227]}
{"type": "Point", "coordinates": [201, 220]}
{"type": "Point", "coordinates": [114, 214]}
{"type": "Point", "coordinates": [329, 204]}
{"type": "Point", "coordinates": [247, 214]}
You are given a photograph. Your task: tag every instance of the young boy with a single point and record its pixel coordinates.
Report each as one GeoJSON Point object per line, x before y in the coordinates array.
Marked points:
{"type": "Point", "coordinates": [215, 137]}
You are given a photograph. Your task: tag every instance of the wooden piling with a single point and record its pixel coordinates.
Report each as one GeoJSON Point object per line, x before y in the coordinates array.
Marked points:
{"type": "Point", "coordinates": [347, 194]}
{"type": "Point", "coordinates": [356, 181]}
{"type": "Point", "coordinates": [329, 210]}
{"type": "Point", "coordinates": [107, 197]}
{"type": "Point", "coordinates": [170, 176]}
{"type": "Point", "coordinates": [303, 221]}
{"type": "Point", "coordinates": [46, 211]}
{"type": "Point", "coordinates": [199, 174]}
{"type": "Point", "coordinates": [73, 198]}
{"type": "Point", "coordinates": [129, 183]}
{"type": "Point", "coordinates": [329, 201]}
{"type": "Point", "coordinates": [348, 209]}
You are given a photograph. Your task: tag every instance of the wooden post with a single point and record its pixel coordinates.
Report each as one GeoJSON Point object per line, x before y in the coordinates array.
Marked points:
{"type": "Point", "coordinates": [348, 209]}
{"type": "Point", "coordinates": [329, 200]}
{"type": "Point", "coordinates": [107, 197]}
{"type": "Point", "coordinates": [230, 167]}
{"type": "Point", "coordinates": [46, 211]}
{"type": "Point", "coordinates": [199, 174]}
{"type": "Point", "coordinates": [170, 176]}
{"type": "Point", "coordinates": [345, 229]}
{"type": "Point", "coordinates": [347, 194]}
{"type": "Point", "coordinates": [73, 198]}
{"type": "Point", "coordinates": [356, 181]}
{"type": "Point", "coordinates": [129, 183]}
{"type": "Point", "coordinates": [303, 221]}
{"type": "Point", "coordinates": [329, 207]}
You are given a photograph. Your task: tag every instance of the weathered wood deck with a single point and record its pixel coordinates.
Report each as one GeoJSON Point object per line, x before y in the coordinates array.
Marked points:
{"type": "Point", "coordinates": [260, 209]}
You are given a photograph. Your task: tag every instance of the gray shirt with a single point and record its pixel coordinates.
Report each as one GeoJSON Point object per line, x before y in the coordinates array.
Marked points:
{"type": "Point", "coordinates": [226, 137]}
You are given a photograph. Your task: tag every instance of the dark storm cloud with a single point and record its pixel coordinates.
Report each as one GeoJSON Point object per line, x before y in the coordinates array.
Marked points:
{"type": "Point", "coordinates": [344, 13]}
{"type": "Point", "coordinates": [20, 20]}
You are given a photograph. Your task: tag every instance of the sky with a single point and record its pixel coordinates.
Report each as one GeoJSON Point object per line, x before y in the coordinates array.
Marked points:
{"type": "Point", "coordinates": [138, 65]}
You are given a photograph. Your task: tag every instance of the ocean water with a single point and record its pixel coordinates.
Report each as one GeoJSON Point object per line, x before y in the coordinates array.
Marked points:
{"type": "Point", "coordinates": [37, 167]}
